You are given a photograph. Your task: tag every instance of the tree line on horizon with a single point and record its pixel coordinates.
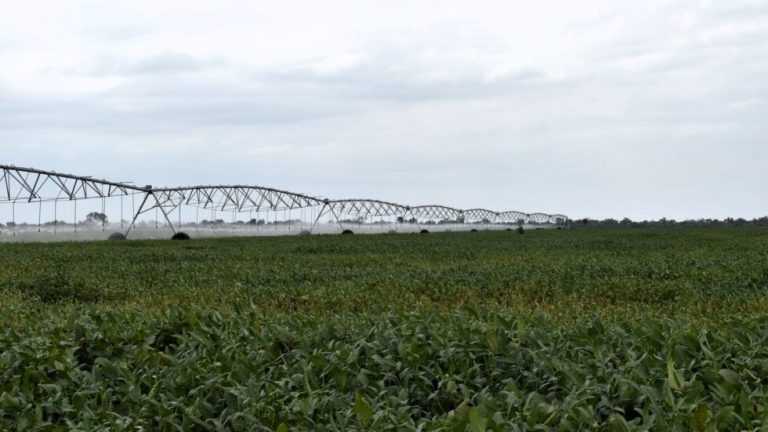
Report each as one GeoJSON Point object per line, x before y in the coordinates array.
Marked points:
{"type": "Point", "coordinates": [663, 222]}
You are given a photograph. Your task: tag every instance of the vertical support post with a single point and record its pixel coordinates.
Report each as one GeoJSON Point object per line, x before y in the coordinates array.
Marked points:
{"type": "Point", "coordinates": [162, 210]}
{"type": "Point", "coordinates": [320, 214]}
{"type": "Point", "coordinates": [338, 221]}
{"type": "Point", "coordinates": [136, 214]}
{"type": "Point", "coordinates": [104, 213]}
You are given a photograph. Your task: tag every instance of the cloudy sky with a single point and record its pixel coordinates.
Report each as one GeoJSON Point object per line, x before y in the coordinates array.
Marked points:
{"type": "Point", "coordinates": [645, 109]}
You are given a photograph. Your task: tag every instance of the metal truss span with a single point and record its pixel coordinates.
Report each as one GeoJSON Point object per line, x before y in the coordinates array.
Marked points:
{"type": "Point", "coordinates": [30, 185]}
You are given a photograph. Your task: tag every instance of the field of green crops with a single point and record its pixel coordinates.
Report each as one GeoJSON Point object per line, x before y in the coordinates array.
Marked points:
{"type": "Point", "coordinates": [589, 329]}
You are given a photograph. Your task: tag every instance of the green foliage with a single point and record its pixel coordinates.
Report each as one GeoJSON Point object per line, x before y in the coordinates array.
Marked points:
{"type": "Point", "coordinates": [58, 284]}
{"type": "Point", "coordinates": [633, 329]}
{"type": "Point", "coordinates": [190, 369]}
{"type": "Point", "coordinates": [698, 274]}
{"type": "Point", "coordinates": [363, 411]}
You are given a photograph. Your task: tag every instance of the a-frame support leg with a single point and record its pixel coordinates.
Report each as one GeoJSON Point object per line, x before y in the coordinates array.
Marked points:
{"type": "Point", "coordinates": [136, 216]}
{"type": "Point", "coordinates": [141, 210]}
{"type": "Point", "coordinates": [323, 212]}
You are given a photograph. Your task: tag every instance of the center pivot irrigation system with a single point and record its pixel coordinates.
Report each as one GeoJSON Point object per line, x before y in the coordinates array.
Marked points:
{"type": "Point", "coordinates": [48, 191]}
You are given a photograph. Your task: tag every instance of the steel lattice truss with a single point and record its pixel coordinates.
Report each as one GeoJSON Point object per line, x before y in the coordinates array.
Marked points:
{"type": "Point", "coordinates": [480, 215]}
{"type": "Point", "coordinates": [232, 198]}
{"type": "Point", "coordinates": [366, 207]}
{"type": "Point", "coordinates": [512, 217]}
{"type": "Point", "coordinates": [29, 185]}
{"type": "Point", "coordinates": [436, 212]}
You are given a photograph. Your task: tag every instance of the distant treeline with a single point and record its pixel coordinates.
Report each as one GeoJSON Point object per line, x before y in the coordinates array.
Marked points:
{"type": "Point", "coordinates": [626, 222]}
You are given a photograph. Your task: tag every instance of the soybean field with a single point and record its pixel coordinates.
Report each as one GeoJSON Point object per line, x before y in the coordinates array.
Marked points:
{"type": "Point", "coordinates": [588, 329]}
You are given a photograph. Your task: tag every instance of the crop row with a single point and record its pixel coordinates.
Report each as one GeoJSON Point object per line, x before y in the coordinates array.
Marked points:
{"type": "Point", "coordinates": [692, 272]}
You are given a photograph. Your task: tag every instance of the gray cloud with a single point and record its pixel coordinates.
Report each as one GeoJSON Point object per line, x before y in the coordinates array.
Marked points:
{"type": "Point", "coordinates": [647, 112]}
{"type": "Point", "coordinates": [156, 64]}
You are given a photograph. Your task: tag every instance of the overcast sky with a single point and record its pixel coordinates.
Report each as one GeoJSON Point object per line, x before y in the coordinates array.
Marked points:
{"type": "Point", "coordinates": [645, 109]}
